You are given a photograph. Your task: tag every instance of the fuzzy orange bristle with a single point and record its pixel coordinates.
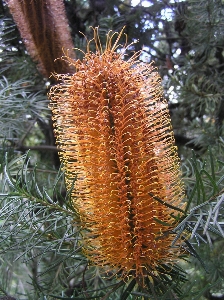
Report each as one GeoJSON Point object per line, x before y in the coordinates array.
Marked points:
{"type": "Point", "coordinates": [113, 128]}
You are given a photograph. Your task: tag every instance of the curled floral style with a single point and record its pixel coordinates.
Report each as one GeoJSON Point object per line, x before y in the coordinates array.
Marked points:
{"type": "Point", "coordinates": [113, 128]}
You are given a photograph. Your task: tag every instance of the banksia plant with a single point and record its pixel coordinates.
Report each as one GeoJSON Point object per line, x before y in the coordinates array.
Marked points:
{"type": "Point", "coordinates": [114, 133]}
{"type": "Point", "coordinates": [44, 29]}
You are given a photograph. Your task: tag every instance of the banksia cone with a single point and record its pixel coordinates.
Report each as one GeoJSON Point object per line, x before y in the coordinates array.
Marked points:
{"type": "Point", "coordinates": [45, 32]}
{"type": "Point", "coordinates": [113, 128]}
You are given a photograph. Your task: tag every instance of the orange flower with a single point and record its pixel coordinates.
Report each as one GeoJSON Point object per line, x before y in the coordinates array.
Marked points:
{"type": "Point", "coordinates": [113, 128]}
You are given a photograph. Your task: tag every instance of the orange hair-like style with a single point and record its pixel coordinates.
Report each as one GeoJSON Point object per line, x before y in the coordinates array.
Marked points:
{"type": "Point", "coordinates": [113, 129]}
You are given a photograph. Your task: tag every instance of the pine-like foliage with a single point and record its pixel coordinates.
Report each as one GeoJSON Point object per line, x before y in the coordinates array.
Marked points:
{"type": "Point", "coordinates": [41, 253]}
{"type": "Point", "coordinates": [23, 100]}
{"type": "Point", "coordinates": [198, 80]}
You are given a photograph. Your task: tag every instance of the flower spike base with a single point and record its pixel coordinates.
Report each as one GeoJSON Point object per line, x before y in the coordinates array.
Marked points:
{"type": "Point", "coordinates": [113, 128]}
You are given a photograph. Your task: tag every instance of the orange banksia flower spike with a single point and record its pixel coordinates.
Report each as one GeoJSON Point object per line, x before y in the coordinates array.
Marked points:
{"type": "Point", "coordinates": [113, 128]}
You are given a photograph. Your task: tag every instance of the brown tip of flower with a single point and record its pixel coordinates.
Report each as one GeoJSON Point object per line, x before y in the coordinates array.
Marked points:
{"type": "Point", "coordinates": [114, 130]}
{"type": "Point", "coordinates": [44, 29]}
